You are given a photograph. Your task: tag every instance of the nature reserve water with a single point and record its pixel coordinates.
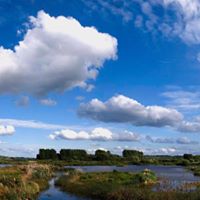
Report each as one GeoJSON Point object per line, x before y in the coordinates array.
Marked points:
{"type": "Point", "coordinates": [175, 175]}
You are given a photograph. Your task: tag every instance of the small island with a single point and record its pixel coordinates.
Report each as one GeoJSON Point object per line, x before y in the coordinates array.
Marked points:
{"type": "Point", "coordinates": [105, 185]}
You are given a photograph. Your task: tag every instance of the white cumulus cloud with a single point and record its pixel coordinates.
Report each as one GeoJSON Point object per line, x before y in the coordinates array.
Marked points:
{"type": "Point", "coordinates": [98, 134]}
{"type": "Point", "coordinates": [123, 109]}
{"type": "Point", "coordinates": [56, 54]}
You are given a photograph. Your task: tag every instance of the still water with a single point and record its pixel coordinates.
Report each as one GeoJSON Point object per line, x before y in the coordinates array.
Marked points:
{"type": "Point", "coordinates": [4, 165]}
{"type": "Point", "coordinates": [172, 175]}
{"type": "Point", "coordinates": [53, 193]}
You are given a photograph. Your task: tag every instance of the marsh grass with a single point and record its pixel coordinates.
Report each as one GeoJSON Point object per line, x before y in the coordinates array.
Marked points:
{"type": "Point", "coordinates": [121, 186]}
{"type": "Point", "coordinates": [195, 169]}
{"type": "Point", "coordinates": [23, 181]}
{"type": "Point", "coordinates": [100, 185]}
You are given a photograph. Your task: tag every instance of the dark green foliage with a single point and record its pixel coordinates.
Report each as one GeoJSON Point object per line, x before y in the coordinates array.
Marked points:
{"type": "Point", "coordinates": [77, 155]}
{"type": "Point", "coordinates": [138, 193]}
{"type": "Point", "coordinates": [183, 162]}
{"type": "Point", "coordinates": [101, 155]}
{"type": "Point", "coordinates": [195, 169]}
{"type": "Point", "coordinates": [45, 154]}
{"type": "Point", "coordinates": [73, 154]}
{"type": "Point", "coordinates": [80, 157]}
{"type": "Point", "coordinates": [132, 154]}
{"type": "Point", "coordinates": [188, 156]}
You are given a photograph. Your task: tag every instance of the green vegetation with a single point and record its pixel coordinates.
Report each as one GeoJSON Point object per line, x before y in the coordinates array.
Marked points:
{"type": "Point", "coordinates": [187, 156]}
{"type": "Point", "coordinates": [195, 169]}
{"type": "Point", "coordinates": [100, 185]}
{"type": "Point", "coordinates": [47, 154]}
{"type": "Point", "coordinates": [101, 155]}
{"type": "Point", "coordinates": [132, 153]}
{"type": "Point", "coordinates": [81, 157]}
{"type": "Point", "coordinates": [77, 154]}
{"type": "Point", "coordinates": [14, 160]}
{"type": "Point", "coordinates": [119, 186]}
{"type": "Point", "coordinates": [28, 177]}
{"type": "Point", "coordinates": [23, 181]}
{"type": "Point", "coordinates": [139, 193]}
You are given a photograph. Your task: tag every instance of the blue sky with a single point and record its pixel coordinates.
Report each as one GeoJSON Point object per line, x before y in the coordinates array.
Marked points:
{"type": "Point", "coordinates": [100, 74]}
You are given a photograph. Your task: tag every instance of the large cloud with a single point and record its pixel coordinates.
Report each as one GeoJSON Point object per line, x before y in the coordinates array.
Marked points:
{"type": "Point", "coordinates": [123, 109]}
{"type": "Point", "coordinates": [98, 134]}
{"type": "Point", "coordinates": [56, 54]}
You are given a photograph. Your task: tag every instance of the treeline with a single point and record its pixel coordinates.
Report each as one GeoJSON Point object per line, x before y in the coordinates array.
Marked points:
{"type": "Point", "coordinates": [79, 154]}
{"type": "Point", "coordinates": [128, 156]}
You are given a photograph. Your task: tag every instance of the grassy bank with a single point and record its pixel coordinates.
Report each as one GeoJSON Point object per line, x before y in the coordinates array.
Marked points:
{"type": "Point", "coordinates": [105, 184]}
{"type": "Point", "coordinates": [195, 169]}
{"type": "Point", "coordinates": [26, 181]}
{"type": "Point", "coordinates": [27, 178]}
{"type": "Point", "coordinates": [23, 181]}
{"type": "Point", "coordinates": [146, 160]}
{"type": "Point", "coordinates": [119, 186]}
{"type": "Point", "coordinates": [138, 193]}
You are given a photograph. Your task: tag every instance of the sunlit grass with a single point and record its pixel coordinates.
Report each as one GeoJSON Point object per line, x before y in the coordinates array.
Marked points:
{"type": "Point", "coordinates": [23, 181]}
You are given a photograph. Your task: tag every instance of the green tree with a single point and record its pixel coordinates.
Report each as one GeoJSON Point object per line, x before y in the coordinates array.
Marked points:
{"type": "Point", "coordinates": [132, 154]}
{"type": "Point", "coordinates": [45, 154]}
{"type": "Point", "coordinates": [73, 154]}
{"type": "Point", "coordinates": [102, 155]}
{"type": "Point", "coordinates": [187, 156]}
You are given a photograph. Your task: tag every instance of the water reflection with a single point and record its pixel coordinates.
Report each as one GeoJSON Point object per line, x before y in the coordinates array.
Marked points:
{"type": "Point", "coordinates": [54, 193]}
{"type": "Point", "coordinates": [170, 176]}
{"type": "Point", "coordinates": [5, 165]}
